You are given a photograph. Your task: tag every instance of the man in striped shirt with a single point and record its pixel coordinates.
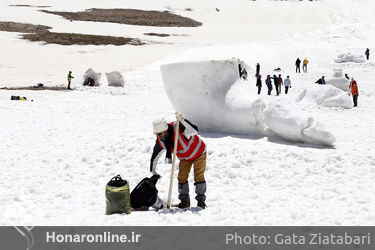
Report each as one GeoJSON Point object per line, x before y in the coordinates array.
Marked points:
{"type": "Point", "coordinates": [191, 150]}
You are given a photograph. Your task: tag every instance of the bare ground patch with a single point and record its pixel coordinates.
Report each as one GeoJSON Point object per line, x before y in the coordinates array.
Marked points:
{"type": "Point", "coordinates": [23, 27]}
{"type": "Point", "coordinates": [80, 39]}
{"type": "Point", "coordinates": [31, 6]}
{"type": "Point", "coordinates": [156, 34]}
{"type": "Point", "coordinates": [129, 16]}
{"type": "Point", "coordinates": [40, 33]}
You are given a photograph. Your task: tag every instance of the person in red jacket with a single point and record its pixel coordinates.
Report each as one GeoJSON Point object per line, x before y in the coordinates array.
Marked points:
{"type": "Point", "coordinates": [191, 150]}
{"type": "Point", "coordinates": [354, 89]}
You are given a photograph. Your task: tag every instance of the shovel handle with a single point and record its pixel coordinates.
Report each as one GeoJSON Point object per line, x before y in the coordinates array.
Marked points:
{"type": "Point", "coordinates": [173, 163]}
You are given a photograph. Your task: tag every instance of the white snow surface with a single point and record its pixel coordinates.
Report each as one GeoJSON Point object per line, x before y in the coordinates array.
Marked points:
{"type": "Point", "coordinates": [326, 95]}
{"type": "Point", "coordinates": [59, 151]}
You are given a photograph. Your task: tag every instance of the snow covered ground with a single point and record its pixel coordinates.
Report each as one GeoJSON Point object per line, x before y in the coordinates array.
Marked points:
{"type": "Point", "coordinates": [60, 150]}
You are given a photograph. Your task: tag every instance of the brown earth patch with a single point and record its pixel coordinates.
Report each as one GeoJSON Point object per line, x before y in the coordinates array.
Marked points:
{"type": "Point", "coordinates": [80, 39]}
{"type": "Point", "coordinates": [23, 27]}
{"type": "Point", "coordinates": [27, 5]}
{"type": "Point", "coordinates": [40, 33]}
{"type": "Point", "coordinates": [129, 16]}
{"type": "Point", "coordinates": [156, 34]}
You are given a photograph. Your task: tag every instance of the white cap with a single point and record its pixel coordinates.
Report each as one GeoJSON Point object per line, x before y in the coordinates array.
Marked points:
{"type": "Point", "coordinates": [159, 125]}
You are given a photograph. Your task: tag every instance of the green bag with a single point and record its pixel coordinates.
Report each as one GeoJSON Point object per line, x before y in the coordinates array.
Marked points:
{"type": "Point", "coordinates": [117, 193]}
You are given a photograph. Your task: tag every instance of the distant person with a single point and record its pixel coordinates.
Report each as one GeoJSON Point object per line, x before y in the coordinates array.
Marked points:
{"type": "Point", "coordinates": [276, 83]}
{"type": "Point", "coordinates": [354, 89]}
{"type": "Point", "coordinates": [298, 65]}
{"type": "Point", "coordinates": [70, 77]}
{"type": "Point", "coordinates": [259, 83]}
{"type": "Point", "coordinates": [346, 76]}
{"type": "Point", "coordinates": [269, 84]}
{"type": "Point", "coordinates": [321, 81]}
{"type": "Point", "coordinates": [367, 53]}
{"type": "Point", "coordinates": [91, 82]}
{"type": "Point", "coordinates": [287, 84]}
{"type": "Point", "coordinates": [279, 83]}
{"type": "Point", "coordinates": [257, 70]}
{"type": "Point", "coordinates": [305, 62]}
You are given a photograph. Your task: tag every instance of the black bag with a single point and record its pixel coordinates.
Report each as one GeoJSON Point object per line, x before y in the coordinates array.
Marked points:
{"type": "Point", "coordinates": [145, 193]}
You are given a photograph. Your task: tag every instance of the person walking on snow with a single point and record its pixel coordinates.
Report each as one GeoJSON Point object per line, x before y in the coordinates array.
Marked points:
{"type": "Point", "coordinates": [191, 150]}
{"type": "Point", "coordinates": [269, 84]}
{"type": "Point", "coordinates": [280, 82]}
{"type": "Point", "coordinates": [354, 89]}
{"type": "Point", "coordinates": [305, 62]}
{"type": "Point", "coordinates": [259, 83]}
{"type": "Point", "coordinates": [321, 81]}
{"type": "Point", "coordinates": [367, 53]}
{"type": "Point", "coordinates": [287, 84]}
{"type": "Point", "coordinates": [298, 65]}
{"type": "Point", "coordinates": [257, 70]}
{"type": "Point", "coordinates": [276, 83]}
{"type": "Point", "coordinates": [70, 77]}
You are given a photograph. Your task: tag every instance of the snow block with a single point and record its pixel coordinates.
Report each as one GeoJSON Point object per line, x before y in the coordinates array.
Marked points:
{"type": "Point", "coordinates": [91, 73]}
{"type": "Point", "coordinates": [337, 73]}
{"type": "Point", "coordinates": [290, 122]}
{"type": "Point", "coordinates": [325, 95]}
{"type": "Point", "coordinates": [115, 79]}
{"type": "Point", "coordinates": [210, 94]}
{"type": "Point", "coordinates": [339, 82]}
{"type": "Point", "coordinates": [349, 57]}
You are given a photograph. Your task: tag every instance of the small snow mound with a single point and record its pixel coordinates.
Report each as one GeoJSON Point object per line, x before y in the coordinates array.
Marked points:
{"type": "Point", "coordinates": [337, 72]}
{"type": "Point", "coordinates": [349, 57]}
{"type": "Point", "coordinates": [93, 75]}
{"type": "Point", "coordinates": [325, 95]}
{"type": "Point", "coordinates": [115, 79]}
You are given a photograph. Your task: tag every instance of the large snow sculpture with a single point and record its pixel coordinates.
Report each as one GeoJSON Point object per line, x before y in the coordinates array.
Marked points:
{"type": "Point", "coordinates": [326, 95]}
{"type": "Point", "coordinates": [115, 79]}
{"type": "Point", "coordinates": [211, 95]}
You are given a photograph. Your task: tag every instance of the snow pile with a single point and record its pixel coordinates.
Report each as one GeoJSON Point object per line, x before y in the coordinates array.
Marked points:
{"type": "Point", "coordinates": [288, 121]}
{"type": "Point", "coordinates": [337, 72]}
{"type": "Point", "coordinates": [115, 79]}
{"type": "Point", "coordinates": [349, 57]}
{"type": "Point", "coordinates": [91, 73]}
{"type": "Point", "coordinates": [338, 80]}
{"type": "Point", "coordinates": [326, 95]}
{"type": "Point", "coordinates": [211, 95]}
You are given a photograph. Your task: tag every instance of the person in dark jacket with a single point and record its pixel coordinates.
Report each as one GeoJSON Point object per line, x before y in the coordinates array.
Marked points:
{"type": "Point", "coordinates": [298, 65]}
{"type": "Point", "coordinates": [346, 76]}
{"type": "Point", "coordinates": [367, 53]}
{"type": "Point", "coordinates": [269, 84]}
{"type": "Point", "coordinates": [191, 150]}
{"type": "Point", "coordinates": [257, 70]}
{"type": "Point", "coordinates": [321, 81]}
{"type": "Point", "coordinates": [276, 83]}
{"type": "Point", "coordinates": [259, 84]}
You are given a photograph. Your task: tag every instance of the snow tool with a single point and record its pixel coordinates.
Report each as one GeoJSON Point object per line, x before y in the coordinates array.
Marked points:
{"type": "Point", "coordinates": [173, 163]}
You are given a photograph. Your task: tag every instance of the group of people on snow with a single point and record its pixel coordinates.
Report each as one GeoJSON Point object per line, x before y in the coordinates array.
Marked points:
{"type": "Point", "coordinates": [277, 81]}
{"type": "Point", "coordinates": [298, 65]}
